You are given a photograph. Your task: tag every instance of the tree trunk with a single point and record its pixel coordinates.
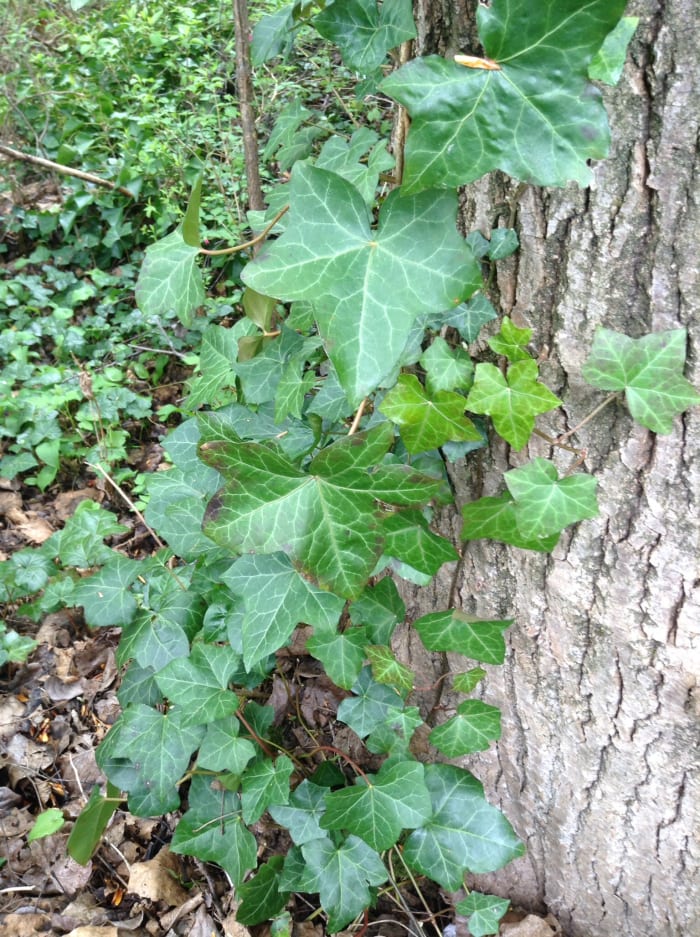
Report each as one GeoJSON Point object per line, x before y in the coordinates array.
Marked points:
{"type": "Point", "coordinates": [597, 767]}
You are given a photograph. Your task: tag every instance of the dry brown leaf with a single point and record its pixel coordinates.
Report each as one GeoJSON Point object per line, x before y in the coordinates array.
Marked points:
{"type": "Point", "coordinates": [24, 925]}
{"type": "Point", "coordinates": [35, 529]}
{"type": "Point", "coordinates": [156, 879]}
{"type": "Point", "coordinates": [91, 930]}
{"type": "Point", "coordinates": [530, 926]}
{"type": "Point", "coordinates": [67, 501]}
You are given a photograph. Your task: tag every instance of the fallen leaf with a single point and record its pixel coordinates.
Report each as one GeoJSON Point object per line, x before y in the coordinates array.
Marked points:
{"type": "Point", "coordinates": [530, 926]}
{"type": "Point", "coordinates": [156, 879]}
{"type": "Point", "coordinates": [24, 925]}
{"type": "Point", "coordinates": [89, 930]}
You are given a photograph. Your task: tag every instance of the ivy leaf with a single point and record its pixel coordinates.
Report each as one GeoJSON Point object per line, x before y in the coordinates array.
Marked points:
{"type": "Point", "coordinates": [198, 684]}
{"type": "Point", "coordinates": [465, 682]}
{"type": "Point", "coordinates": [511, 341]}
{"type": "Point", "coordinates": [409, 539]}
{"type": "Point", "coordinates": [484, 912]}
{"type": "Point", "coordinates": [105, 596]}
{"type": "Point", "coordinates": [223, 750]}
{"type": "Point", "coordinates": [213, 830]}
{"type": "Point", "coordinates": [609, 60]}
{"type": "Point", "coordinates": [648, 369]}
{"type": "Point", "coordinates": [261, 898]}
{"type": "Point", "coordinates": [546, 504]}
{"type": "Point", "coordinates": [265, 782]}
{"type": "Point", "coordinates": [371, 704]}
{"type": "Point", "coordinates": [472, 729]}
{"type": "Point", "coordinates": [346, 158]}
{"type": "Point", "coordinates": [380, 608]}
{"type": "Point", "coordinates": [503, 243]}
{"type": "Point", "coordinates": [47, 823]}
{"type": "Point", "coordinates": [276, 600]}
{"type": "Point", "coordinates": [427, 422]}
{"type": "Point", "coordinates": [80, 543]}
{"type": "Point", "coordinates": [302, 815]}
{"type": "Point", "coordinates": [272, 35]}
{"type": "Point", "coordinates": [495, 519]}
{"type": "Point", "coordinates": [530, 112]}
{"type": "Point", "coordinates": [147, 752]}
{"type": "Point", "coordinates": [386, 669]}
{"type": "Point", "coordinates": [152, 641]}
{"type": "Point", "coordinates": [342, 655]}
{"type": "Point", "coordinates": [393, 736]}
{"type": "Point", "coordinates": [342, 876]}
{"type": "Point", "coordinates": [378, 808]}
{"type": "Point", "coordinates": [217, 354]}
{"type": "Point", "coordinates": [454, 631]}
{"type": "Point", "coordinates": [367, 287]}
{"type": "Point", "coordinates": [446, 368]}
{"type": "Point", "coordinates": [469, 318]}
{"type": "Point", "coordinates": [325, 519]}
{"type": "Point", "coordinates": [464, 833]}
{"type": "Point", "coordinates": [365, 32]}
{"type": "Point", "coordinates": [512, 401]}
{"type": "Point", "coordinates": [170, 280]}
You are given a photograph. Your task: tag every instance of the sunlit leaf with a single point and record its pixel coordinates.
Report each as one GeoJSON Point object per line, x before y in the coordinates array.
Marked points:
{"type": "Point", "coordinates": [544, 503]}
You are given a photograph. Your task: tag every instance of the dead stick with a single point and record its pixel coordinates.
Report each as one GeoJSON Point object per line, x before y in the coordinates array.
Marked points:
{"type": "Point", "coordinates": [66, 170]}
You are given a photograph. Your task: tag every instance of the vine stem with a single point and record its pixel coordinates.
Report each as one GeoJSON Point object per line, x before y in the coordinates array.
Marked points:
{"type": "Point", "coordinates": [358, 416]}
{"type": "Point", "coordinates": [601, 406]}
{"type": "Point", "coordinates": [346, 758]}
{"type": "Point", "coordinates": [66, 170]}
{"type": "Point", "coordinates": [251, 243]}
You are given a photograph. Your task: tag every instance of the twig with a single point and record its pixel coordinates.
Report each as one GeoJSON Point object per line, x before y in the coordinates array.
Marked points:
{"type": "Point", "coordinates": [66, 170]}
{"type": "Point", "coordinates": [590, 416]}
{"type": "Point", "coordinates": [251, 243]}
{"type": "Point", "coordinates": [127, 499]}
{"type": "Point", "coordinates": [358, 416]}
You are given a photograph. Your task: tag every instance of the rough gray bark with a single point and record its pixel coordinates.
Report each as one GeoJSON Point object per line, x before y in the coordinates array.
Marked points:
{"type": "Point", "coordinates": [598, 764]}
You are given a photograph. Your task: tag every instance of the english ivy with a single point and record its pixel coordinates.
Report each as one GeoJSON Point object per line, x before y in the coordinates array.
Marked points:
{"type": "Point", "coordinates": [315, 462]}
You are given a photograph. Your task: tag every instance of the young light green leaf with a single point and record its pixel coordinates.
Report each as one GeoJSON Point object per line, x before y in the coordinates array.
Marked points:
{"type": "Point", "coordinates": [261, 898]}
{"type": "Point", "coordinates": [105, 596]}
{"type": "Point", "coordinates": [276, 600]}
{"type": "Point", "coordinates": [464, 833]}
{"type": "Point", "coordinates": [378, 808]}
{"type": "Point", "coordinates": [483, 911]}
{"type": "Point", "coordinates": [512, 401]}
{"type": "Point", "coordinates": [465, 682]}
{"type": "Point", "coordinates": [330, 256]}
{"type": "Point", "coordinates": [609, 60]}
{"type": "Point", "coordinates": [265, 782]}
{"type": "Point", "coordinates": [546, 504]}
{"type": "Point", "coordinates": [341, 654]}
{"type": "Point", "coordinates": [213, 830]}
{"type": "Point", "coordinates": [427, 422]}
{"type": "Point", "coordinates": [198, 685]}
{"type": "Point", "coordinates": [91, 823]}
{"type": "Point", "coordinates": [446, 368]}
{"type": "Point", "coordinates": [190, 223]}
{"type": "Point", "coordinates": [386, 669]}
{"type": "Point", "coordinates": [511, 341]}
{"type": "Point", "coordinates": [454, 631]}
{"type": "Point", "coordinates": [326, 519]}
{"type": "Point", "coordinates": [648, 369]}
{"type": "Point", "coordinates": [365, 32]}
{"type": "Point", "coordinates": [170, 280]}
{"type": "Point", "coordinates": [342, 876]}
{"type": "Point", "coordinates": [302, 815]}
{"type": "Point", "coordinates": [528, 110]}
{"type": "Point", "coordinates": [472, 729]}
{"type": "Point", "coordinates": [495, 519]}
{"type": "Point", "coordinates": [47, 822]}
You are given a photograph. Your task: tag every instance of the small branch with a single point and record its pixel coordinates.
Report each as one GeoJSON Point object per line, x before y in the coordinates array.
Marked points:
{"type": "Point", "coordinates": [590, 416]}
{"type": "Point", "coordinates": [358, 417]}
{"type": "Point", "coordinates": [336, 751]}
{"type": "Point", "coordinates": [555, 442]}
{"type": "Point", "coordinates": [127, 499]}
{"type": "Point", "coordinates": [66, 170]}
{"type": "Point", "coordinates": [253, 241]}
{"type": "Point", "coordinates": [244, 87]}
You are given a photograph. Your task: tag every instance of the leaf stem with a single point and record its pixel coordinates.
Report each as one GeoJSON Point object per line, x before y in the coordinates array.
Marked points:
{"type": "Point", "coordinates": [253, 241]}
{"type": "Point", "coordinates": [358, 416]}
{"type": "Point", "coordinates": [590, 416]}
{"type": "Point", "coordinates": [346, 758]}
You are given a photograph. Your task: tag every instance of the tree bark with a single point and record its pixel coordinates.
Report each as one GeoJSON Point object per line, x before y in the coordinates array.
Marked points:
{"type": "Point", "coordinates": [244, 88]}
{"type": "Point", "coordinates": [598, 764]}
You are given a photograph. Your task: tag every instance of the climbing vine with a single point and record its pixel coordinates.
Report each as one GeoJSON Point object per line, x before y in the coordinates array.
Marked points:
{"type": "Point", "coordinates": [317, 458]}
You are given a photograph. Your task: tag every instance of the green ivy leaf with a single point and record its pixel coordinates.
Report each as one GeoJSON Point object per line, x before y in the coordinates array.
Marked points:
{"type": "Point", "coordinates": [378, 808]}
{"type": "Point", "coordinates": [393, 736]}
{"type": "Point", "coordinates": [609, 60]}
{"type": "Point", "coordinates": [213, 830]}
{"type": "Point", "coordinates": [380, 608]}
{"type": "Point", "coordinates": [427, 422]}
{"type": "Point", "coordinates": [223, 750]}
{"type": "Point", "coordinates": [454, 631]}
{"type": "Point", "coordinates": [47, 822]}
{"type": "Point", "coordinates": [484, 912]}
{"type": "Point", "coordinates": [546, 504]}
{"type": "Point", "coordinates": [386, 669]}
{"type": "Point", "coordinates": [170, 280]}
{"type": "Point", "coordinates": [365, 32]}
{"type": "Point", "coordinates": [371, 705]}
{"type": "Point", "coordinates": [511, 341]}
{"type": "Point", "coordinates": [495, 519]}
{"type": "Point", "coordinates": [105, 596]}
{"type": "Point", "coordinates": [466, 682]}
{"type": "Point", "coordinates": [503, 243]}
{"type": "Point", "coordinates": [534, 116]}
{"type": "Point", "coordinates": [265, 782]}
{"type": "Point", "coordinates": [648, 369]}
{"type": "Point", "coordinates": [272, 35]}
{"type": "Point", "coordinates": [198, 685]}
{"type": "Point", "coordinates": [261, 898]}
{"type": "Point", "coordinates": [408, 538]}
{"type": "Point", "coordinates": [325, 519]}
{"type": "Point", "coordinates": [347, 159]}
{"type": "Point", "coordinates": [464, 833]}
{"type": "Point", "coordinates": [413, 263]}
{"type": "Point", "coordinates": [31, 570]}
{"type": "Point", "coordinates": [276, 600]}
{"type": "Point", "coordinates": [472, 729]}
{"type": "Point", "coordinates": [342, 655]}
{"type": "Point", "coordinates": [446, 368]}
{"type": "Point", "coordinates": [341, 875]}
{"type": "Point", "coordinates": [512, 401]}
{"type": "Point", "coordinates": [152, 640]}
{"type": "Point", "coordinates": [302, 815]}
{"type": "Point", "coordinates": [218, 352]}
{"type": "Point", "coordinates": [80, 543]}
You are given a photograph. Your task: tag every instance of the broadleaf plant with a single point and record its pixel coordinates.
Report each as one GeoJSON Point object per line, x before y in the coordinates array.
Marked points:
{"type": "Point", "coordinates": [313, 461]}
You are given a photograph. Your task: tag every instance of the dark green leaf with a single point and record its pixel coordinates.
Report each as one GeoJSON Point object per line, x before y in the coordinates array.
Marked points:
{"type": "Point", "coordinates": [495, 519]}
{"type": "Point", "coordinates": [484, 912]}
{"type": "Point", "coordinates": [342, 655]}
{"type": "Point", "coordinates": [272, 35]}
{"type": "Point", "coordinates": [303, 813]}
{"type": "Point", "coordinates": [380, 608]}
{"type": "Point", "coordinates": [223, 750]}
{"type": "Point", "coordinates": [265, 782]}
{"type": "Point", "coordinates": [198, 685]}
{"type": "Point", "coordinates": [366, 32]}
{"type": "Point", "coordinates": [408, 538]}
{"type": "Point", "coordinates": [105, 596]}
{"type": "Point", "coordinates": [261, 898]}
{"type": "Point", "coordinates": [371, 705]}
{"type": "Point", "coordinates": [91, 823]}
{"type": "Point", "coordinates": [170, 280]}
{"type": "Point", "coordinates": [454, 631]}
